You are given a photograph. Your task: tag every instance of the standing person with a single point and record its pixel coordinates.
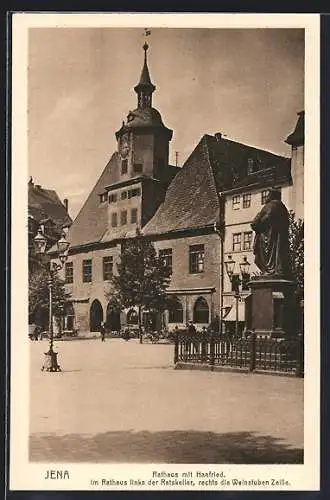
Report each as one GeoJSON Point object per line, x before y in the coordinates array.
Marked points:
{"type": "Point", "coordinates": [102, 331]}
{"type": "Point", "coordinates": [191, 328]}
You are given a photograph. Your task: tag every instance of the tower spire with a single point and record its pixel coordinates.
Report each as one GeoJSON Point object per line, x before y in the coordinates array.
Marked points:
{"type": "Point", "coordinates": [145, 87]}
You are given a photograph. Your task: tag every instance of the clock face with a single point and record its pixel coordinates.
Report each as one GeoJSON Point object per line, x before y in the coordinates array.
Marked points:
{"type": "Point", "coordinates": [124, 147]}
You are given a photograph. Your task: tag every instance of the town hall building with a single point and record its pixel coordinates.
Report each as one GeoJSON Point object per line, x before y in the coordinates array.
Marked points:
{"type": "Point", "coordinates": [198, 216]}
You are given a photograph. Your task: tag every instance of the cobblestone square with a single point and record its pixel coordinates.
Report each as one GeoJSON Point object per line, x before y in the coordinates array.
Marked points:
{"type": "Point", "coordinates": [118, 401]}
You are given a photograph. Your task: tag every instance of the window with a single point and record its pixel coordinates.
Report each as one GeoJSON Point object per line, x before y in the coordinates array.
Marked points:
{"type": "Point", "coordinates": [264, 195]}
{"type": "Point", "coordinates": [250, 166]}
{"type": "Point", "coordinates": [196, 259]}
{"type": "Point", "coordinates": [103, 197]}
{"type": "Point", "coordinates": [175, 312]}
{"type": "Point", "coordinates": [134, 215]}
{"type": "Point", "coordinates": [134, 192]}
{"type": "Point", "coordinates": [107, 268]}
{"type": "Point", "coordinates": [237, 238]}
{"type": "Point", "coordinates": [69, 272]}
{"type": "Point", "coordinates": [236, 202]}
{"type": "Point", "coordinates": [247, 240]}
{"type": "Point", "coordinates": [137, 167]}
{"type": "Point", "coordinates": [123, 195]}
{"type": "Point", "coordinates": [166, 256]}
{"type": "Point", "coordinates": [123, 217]}
{"type": "Point", "coordinates": [201, 311]}
{"type": "Point", "coordinates": [124, 166]}
{"type": "Point", "coordinates": [246, 200]}
{"type": "Point", "coordinates": [112, 198]}
{"type": "Point", "coordinates": [87, 270]}
{"type": "Point", "coordinates": [114, 220]}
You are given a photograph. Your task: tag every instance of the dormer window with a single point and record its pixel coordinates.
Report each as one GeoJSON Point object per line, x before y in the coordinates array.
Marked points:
{"type": "Point", "coordinates": [103, 197]}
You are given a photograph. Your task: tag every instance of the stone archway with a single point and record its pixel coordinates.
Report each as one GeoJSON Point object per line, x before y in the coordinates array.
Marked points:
{"type": "Point", "coordinates": [201, 311]}
{"type": "Point", "coordinates": [95, 316]}
{"type": "Point", "coordinates": [112, 322]}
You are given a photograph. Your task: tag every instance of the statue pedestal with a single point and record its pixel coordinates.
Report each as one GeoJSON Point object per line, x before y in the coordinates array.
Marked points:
{"type": "Point", "coordinates": [271, 308]}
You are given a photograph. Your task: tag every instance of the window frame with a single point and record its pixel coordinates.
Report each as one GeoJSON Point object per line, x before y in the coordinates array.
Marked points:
{"type": "Point", "coordinates": [134, 210]}
{"type": "Point", "coordinates": [247, 243]}
{"type": "Point", "coordinates": [107, 261]}
{"type": "Point", "coordinates": [166, 255]}
{"type": "Point", "coordinates": [123, 217]}
{"type": "Point", "coordinates": [239, 242]}
{"type": "Point", "coordinates": [197, 258]}
{"type": "Point", "coordinates": [114, 219]}
{"type": "Point", "coordinates": [124, 166]}
{"type": "Point", "coordinates": [246, 200]}
{"type": "Point", "coordinates": [264, 196]}
{"type": "Point", "coordinates": [87, 277]}
{"type": "Point", "coordinates": [236, 202]}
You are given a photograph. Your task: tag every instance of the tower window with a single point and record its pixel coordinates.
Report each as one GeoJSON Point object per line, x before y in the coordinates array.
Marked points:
{"type": "Point", "coordinates": [137, 167]}
{"type": "Point", "coordinates": [124, 166]}
{"type": "Point", "coordinates": [123, 217]}
{"type": "Point", "coordinates": [134, 215]}
{"type": "Point", "coordinates": [114, 219]}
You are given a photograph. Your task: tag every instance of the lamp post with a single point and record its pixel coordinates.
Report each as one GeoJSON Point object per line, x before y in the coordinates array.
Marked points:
{"type": "Point", "coordinates": [244, 270]}
{"type": "Point", "coordinates": [40, 243]}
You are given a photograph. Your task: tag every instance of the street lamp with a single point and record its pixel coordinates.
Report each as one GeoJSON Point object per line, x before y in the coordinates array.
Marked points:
{"type": "Point", "coordinates": [40, 242]}
{"type": "Point", "coordinates": [244, 268]}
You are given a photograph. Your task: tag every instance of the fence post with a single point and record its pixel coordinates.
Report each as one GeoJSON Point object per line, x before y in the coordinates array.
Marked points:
{"type": "Point", "coordinates": [176, 349]}
{"type": "Point", "coordinates": [300, 355]}
{"type": "Point", "coordinates": [253, 351]}
{"type": "Point", "coordinates": [212, 350]}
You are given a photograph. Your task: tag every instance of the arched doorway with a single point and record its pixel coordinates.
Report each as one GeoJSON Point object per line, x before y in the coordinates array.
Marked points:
{"type": "Point", "coordinates": [132, 317]}
{"type": "Point", "coordinates": [95, 316]}
{"type": "Point", "coordinates": [201, 311]}
{"type": "Point", "coordinates": [112, 322]}
{"type": "Point", "coordinates": [175, 311]}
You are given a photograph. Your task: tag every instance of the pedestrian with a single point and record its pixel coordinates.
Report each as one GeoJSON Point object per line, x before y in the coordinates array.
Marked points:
{"type": "Point", "coordinates": [102, 331]}
{"type": "Point", "coordinates": [191, 328]}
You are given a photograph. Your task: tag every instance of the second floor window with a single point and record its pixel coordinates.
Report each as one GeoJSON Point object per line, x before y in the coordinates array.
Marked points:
{"type": "Point", "coordinates": [166, 256]}
{"type": "Point", "coordinates": [237, 238]}
{"type": "Point", "coordinates": [236, 202]}
{"type": "Point", "coordinates": [246, 200]}
{"type": "Point", "coordinates": [69, 272]}
{"type": "Point", "coordinates": [264, 196]}
{"type": "Point", "coordinates": [134, 215]}
{"type": "Point", "coordinates": [114, 220]}
{"type": "Point", "coordinates": [112, 198]}
{"type": "Point", "coordinates": [196, 259]}
{"type": "Point", "coordinates": [123, 217]}
{"type": "Point", "coordinates": [247, 240]}
{"type": "Point", "coordinates": [87, 270]}
{"type": "Point", "coordinates": [107, 267]}
{"type": "Point", "coordinates": [134, 192]}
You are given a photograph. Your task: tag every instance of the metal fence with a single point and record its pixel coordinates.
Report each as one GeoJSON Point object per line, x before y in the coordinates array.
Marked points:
{"type": "Point", "coordinates": [252, 354]}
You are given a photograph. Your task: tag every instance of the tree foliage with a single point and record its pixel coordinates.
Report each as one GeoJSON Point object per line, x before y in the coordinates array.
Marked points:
{"type": "Point", "coordinates": [296, 246]}
{"type": "Point", "coordinates": [39, 295]}
{"type": "Point", "coordinates": [141, 279]}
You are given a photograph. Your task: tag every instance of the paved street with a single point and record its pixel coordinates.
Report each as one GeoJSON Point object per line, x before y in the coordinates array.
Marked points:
{"type": "Point", "coordinates": [123, 402]}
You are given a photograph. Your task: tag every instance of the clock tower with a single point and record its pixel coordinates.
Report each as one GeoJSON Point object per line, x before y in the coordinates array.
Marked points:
{"type": "Point", "coordinates": [143, 170]}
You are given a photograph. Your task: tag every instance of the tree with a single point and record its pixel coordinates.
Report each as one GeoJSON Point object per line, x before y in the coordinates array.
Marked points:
{"type": "Point", "coordinates": [142, 278]}
{"type": "Point", "coordinates": [296, 248]}
{"type": "Point", "coordinates": [39, 295]}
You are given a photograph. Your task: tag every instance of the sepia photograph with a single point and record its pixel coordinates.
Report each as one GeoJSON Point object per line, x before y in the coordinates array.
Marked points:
{"type": "Point", "coordinates": [164, 201]}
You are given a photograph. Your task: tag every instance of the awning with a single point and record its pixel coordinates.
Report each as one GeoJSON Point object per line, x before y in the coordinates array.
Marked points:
{"type": "Point", "coordinates": [231, 316]}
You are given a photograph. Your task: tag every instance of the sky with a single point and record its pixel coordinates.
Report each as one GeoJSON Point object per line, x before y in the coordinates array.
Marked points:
{"type": "Point", "coordinates": [247, 84]}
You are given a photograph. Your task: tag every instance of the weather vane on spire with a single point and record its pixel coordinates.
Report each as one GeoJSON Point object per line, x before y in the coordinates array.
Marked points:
{"type": "Point", "coordinates": [147, 32]}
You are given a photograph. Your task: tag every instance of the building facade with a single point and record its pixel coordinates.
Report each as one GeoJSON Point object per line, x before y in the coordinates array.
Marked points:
{"type": "Point", "coordinates": [196, 216]}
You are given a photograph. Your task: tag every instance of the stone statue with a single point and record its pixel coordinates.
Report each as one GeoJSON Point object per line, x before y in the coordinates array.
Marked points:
{"type": "Point", "coordinates": [271, 243]}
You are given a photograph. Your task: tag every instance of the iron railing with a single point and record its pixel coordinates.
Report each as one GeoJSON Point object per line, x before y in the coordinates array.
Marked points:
{"type": "Point", "coordinates": [250, 354]}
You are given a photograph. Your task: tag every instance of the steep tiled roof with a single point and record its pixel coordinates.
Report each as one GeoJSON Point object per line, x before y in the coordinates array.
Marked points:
{"type": "Point", "coordinates": [92, 220]}
{"type": "Point", "coordinates": [191, 200]}
{"type": "Point", "coordinates": [45, 204]}
{"type": "Point", "coordinates": [297, 138]}
{"type": "Point", "coordinates": [216, 164]}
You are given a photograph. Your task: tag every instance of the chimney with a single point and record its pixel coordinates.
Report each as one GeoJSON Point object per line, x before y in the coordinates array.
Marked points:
{"type": "Point", "coordinates": [218, 136]}
{"type": "Point", "coordinates": [38, 186]}
{"type": "Point", "coordinates": [66, 203]}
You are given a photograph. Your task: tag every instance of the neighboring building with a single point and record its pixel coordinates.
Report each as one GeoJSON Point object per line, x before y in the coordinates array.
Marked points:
{"type": "Point", "coordinates": [222, 183]}
{"type": "Point", "coordinates": [297, 143]}
{"type": "Point", "coordinates": [45, 210]}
